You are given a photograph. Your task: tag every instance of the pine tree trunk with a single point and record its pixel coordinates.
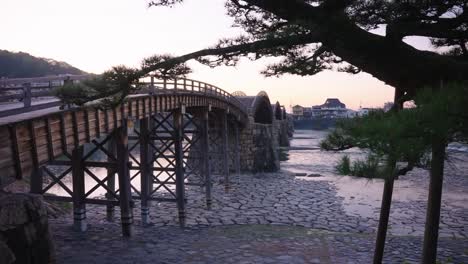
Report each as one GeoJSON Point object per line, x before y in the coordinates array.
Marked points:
{"type": "Point", "coordinates": [431, 232]}
{"type": "Point", "coordinates": [384, 216]}
{"type": "Point", "coordinates": [387, 194]}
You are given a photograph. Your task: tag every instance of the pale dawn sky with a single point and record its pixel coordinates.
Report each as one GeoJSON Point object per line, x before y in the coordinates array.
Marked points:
{"type": "Point", "coordinates": [94, 35]}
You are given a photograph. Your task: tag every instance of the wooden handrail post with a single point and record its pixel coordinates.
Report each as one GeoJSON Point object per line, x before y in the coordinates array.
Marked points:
{"type": "Point", "coordinates": [152, 85]}
{"type": "Point", "coordinates": [27, 94]}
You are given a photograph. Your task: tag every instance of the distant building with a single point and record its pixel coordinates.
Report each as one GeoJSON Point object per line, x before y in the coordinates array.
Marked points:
{"type": "Point", "coordinates": [332, 108]}
{"type": "Point", "coordinates": [333, 103]}
{"type": "Point", "coordinates": [298, 112]}
{"type": "Point", "coordinates": [307, 112]}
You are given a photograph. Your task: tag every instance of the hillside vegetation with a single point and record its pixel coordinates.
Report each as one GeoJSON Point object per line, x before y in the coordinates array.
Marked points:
{"type": "Point", "coordinates": [24, 65]}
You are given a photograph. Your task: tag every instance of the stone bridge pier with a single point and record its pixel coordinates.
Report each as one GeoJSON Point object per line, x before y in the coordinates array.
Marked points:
{"type": "Point", "coordinates": [265, 132]}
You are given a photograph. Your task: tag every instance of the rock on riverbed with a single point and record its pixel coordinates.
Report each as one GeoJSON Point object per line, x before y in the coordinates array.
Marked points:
{"type": "Point", "coordinates": [24, 229]}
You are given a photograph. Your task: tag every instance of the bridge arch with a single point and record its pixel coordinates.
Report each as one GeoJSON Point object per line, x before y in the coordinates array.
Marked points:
{"type": "Point", "coordinates": [277, 111]}
{"type": "Point", "coordinates": [258, 107]}
{"type": "Point", "coordinates": [284, 112]}
{"type": "Point", "coordinates": [263, 113]}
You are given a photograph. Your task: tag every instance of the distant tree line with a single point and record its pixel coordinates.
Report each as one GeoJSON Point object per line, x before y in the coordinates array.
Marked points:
{"type": "Point", "coordinates": [24, 65]}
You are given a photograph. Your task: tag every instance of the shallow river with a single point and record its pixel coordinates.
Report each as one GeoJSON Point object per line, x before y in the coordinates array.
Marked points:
{"type": "Point", "coordinates": [363, 196]}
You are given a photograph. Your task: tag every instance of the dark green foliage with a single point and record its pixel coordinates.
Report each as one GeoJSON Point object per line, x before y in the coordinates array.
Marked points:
{"type": "Point", "coordinates": [407, 135]}
{"type": "Point", "coordinates": [23, 65]}
{"type": "Point", "coordinates": [110, 88]}
{"type": "Point", "coordinates": [439, 117]}
{"type": "Point", "coordinates": [337, 140]}
{"type": "Point", "coordinates": [384, 134]}
{"type": "Point", "coordinates": [310, 36]}
{"type": "Point", "coordinates": [344, 166]}
{"type": "Point", "coordinates": [76, 94]}
{"type": "Point", "coordinates": [168, 72]}
{"type": "Point", "coordinates": [368, 168]}
{"type": "Point", "coordinates": [113, 86]}
{"type": "Point", "coordinates": [444, 113]}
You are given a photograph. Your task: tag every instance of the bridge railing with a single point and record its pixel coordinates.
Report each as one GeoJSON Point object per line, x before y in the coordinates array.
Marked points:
{"type": "Point", "coordinates": [22, 94]}
{"type": "Point", "coordinates": [154, 84]}
{"type": "Point", "coordinates": [23, 91]}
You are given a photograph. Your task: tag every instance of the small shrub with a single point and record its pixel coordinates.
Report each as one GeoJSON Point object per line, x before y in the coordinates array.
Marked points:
{"type": "Point", "coordinates": [344, 166]}
{"type": "Point", "coordinates": [368, 168]}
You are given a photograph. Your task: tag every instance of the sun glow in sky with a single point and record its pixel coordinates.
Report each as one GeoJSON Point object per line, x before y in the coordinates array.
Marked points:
{"type": "Point", "coordinates": [95, 35]}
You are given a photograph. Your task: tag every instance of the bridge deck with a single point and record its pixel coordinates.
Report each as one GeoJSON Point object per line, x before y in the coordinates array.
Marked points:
{"type": "Point", "coordinates": [28, 115]}
{"type": "Point", "coordinates": [31, 139]}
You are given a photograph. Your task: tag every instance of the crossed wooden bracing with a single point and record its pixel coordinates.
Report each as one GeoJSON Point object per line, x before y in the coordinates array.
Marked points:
{"type": "Point", "coordinates": [150, 147]}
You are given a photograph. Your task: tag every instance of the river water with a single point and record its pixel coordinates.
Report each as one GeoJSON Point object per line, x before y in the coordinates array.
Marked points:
{"type": "Point", "coordinates": [362, 196]}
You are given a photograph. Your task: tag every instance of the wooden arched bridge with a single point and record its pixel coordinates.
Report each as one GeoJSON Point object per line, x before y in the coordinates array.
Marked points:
{"type": "Point", "coordinates": [179, 132]}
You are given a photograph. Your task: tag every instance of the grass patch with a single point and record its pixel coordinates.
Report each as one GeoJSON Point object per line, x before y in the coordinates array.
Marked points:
{"type": "Point", "coordinates": [344, 166]}
{"type": "Point", "coordinates": [368, 168]}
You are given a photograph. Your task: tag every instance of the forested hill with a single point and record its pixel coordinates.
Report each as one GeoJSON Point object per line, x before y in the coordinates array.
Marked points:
{"type": "Point", "coordinates": [24, 65]}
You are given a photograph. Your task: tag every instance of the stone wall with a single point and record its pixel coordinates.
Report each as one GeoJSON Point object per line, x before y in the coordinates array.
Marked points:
{"type": "Point", "coordinates": [283, 133]}
{"type": "Point", "coordinates": [266, 156]}
{"type": "Point", "coordinates": [259, 147]}
{"type": "Point", "coordinates": [247, 146]}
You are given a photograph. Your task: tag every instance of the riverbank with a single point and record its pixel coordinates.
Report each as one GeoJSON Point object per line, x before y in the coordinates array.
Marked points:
{"type": "Point", "coordinates": [282, 218]}
{"type": "Point", "coordinates": [286, 213]}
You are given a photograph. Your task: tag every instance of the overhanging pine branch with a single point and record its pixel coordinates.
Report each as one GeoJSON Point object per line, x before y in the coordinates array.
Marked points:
{"type": "Point", "coordinates": [243, 48]}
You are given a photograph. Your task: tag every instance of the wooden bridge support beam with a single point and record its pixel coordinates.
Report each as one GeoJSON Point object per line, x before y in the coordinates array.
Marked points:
{"type": "Point", "coordinates": [36, 181]}
{"type": "Point", "coordinates": [146, 165]}
{"type": "Point", "coordinates": [78, 179]}
{"type": "Point", "coordinates": [179, 164]}
{"type": "Point", "coordinates": [205, 156]}
{"type": "Point", "coordinates": [236, 148]}
{"type": "Point", "coordinates": [36, 174]}
{"type": "Point", "coordinates": [225, 147]}
{"type": "Point", "coordinates": [110, 209]}
{"type": "Point", "coordinates": [126, 213]}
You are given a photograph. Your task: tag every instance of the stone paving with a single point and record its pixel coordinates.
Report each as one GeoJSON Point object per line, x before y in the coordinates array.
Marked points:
{"type": "Point", "coordinates": [264, 218]}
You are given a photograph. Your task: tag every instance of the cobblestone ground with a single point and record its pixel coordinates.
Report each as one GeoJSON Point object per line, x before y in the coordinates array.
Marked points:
{"type": "Point", "coordinates": [269, 218]}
